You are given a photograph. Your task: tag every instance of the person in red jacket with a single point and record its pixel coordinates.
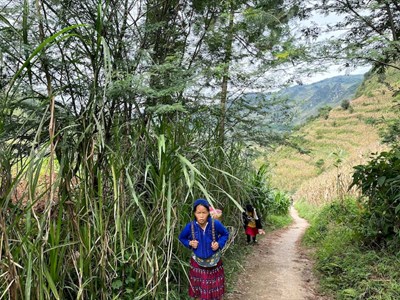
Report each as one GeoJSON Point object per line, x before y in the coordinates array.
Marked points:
{"type": "Point", "coordinates": [205, 236]}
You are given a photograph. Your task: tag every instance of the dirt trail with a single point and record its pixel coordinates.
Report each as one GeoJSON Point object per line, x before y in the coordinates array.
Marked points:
{"type": "Point", "coordinates": [277, 268]}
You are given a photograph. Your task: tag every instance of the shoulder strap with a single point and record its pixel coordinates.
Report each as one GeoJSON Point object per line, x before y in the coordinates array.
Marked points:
{"type": "Point", "coordinates": [213, 229]}
{"type": "Point", "coordinates": [192, 226]}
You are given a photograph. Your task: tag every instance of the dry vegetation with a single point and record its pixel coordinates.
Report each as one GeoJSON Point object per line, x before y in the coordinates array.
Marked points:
{"type": "Point", "coordinates": [345, 139]}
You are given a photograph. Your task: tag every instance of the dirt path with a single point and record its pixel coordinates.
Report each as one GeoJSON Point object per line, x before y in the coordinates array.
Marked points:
{"type": "Point", "coordinates": [277, 268]}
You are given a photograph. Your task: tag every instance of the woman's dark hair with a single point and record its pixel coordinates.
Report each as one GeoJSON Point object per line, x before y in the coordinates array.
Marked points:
{"type": "Point", "coordinates": [207, 207]}
{"type": "Point", "coordinates": [249, 208]}
{"type": "Point", "coordinates": [202, 202]}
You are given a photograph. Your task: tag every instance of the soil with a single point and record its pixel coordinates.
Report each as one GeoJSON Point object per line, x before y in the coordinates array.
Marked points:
{"type": "Point", "coordinates": [278, 268]}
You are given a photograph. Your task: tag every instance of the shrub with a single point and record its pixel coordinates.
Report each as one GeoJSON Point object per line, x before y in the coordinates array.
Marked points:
{"type": "Point", "coordinates": [320, 165]}
{"type": "Point", "coordinates": [379, 181]}
{"type": "Point", "coordinates": [345, 104]}
{"type": "Point", "coordinates": [264, 198]}
{"type": "Point", "coordinates": [260, 192]}
{"type": "Point", "coordinates": [391, 134]}
{"type": "Point", "coordinates": [370, 121]}
{"type": "Point", "coordinates": [323, 112]}
{"type": "Point", "coordinates": [280, 204]}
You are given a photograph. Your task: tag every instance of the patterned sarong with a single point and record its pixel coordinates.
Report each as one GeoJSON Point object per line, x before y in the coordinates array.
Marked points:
{"type": "Point", "coordinates": [206, 283]}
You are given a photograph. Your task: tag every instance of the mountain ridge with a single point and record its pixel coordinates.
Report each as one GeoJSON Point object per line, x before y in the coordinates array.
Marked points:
{"type": "Point", "coordinates": [335, 143]}
{"type": "Point", "coordinates": [308, 99]}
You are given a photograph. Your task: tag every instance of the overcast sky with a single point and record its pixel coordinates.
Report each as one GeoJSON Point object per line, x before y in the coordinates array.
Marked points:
{"type": "Point", "coordinates": [322, 21]}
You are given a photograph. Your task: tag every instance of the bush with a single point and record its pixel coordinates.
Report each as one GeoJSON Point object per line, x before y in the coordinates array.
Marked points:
{"type": "Point", "coordinates": [320, 165]}
{"type": "Point", "coordinates": [346, 269]}
{"type": "Point", "coordinates": [391, 135]}
{"type": "Point", "coordinates": [345, 104]}
{"type": "Point", "coordinates": [336, 214]}
{"type": "Point", "coordinates": [379, 181]}
{"type": "Point", "coordinates": [266, 200]}
{"type": "Point", "coordinates": [260, 192]}
{"type": "Point", "coordinates": [280, 204]}
{"type": "Point", "coordinates": [323, 112]}
{"type": "Point", "coordinates": [370, 121]}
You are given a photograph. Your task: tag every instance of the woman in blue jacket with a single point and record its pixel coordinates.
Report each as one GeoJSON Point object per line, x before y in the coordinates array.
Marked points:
{"type": "Point", "coordinates": [205, 237]}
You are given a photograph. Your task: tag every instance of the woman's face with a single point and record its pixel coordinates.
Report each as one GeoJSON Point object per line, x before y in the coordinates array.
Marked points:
{"type": "Point", "coordinates": [201, 213]}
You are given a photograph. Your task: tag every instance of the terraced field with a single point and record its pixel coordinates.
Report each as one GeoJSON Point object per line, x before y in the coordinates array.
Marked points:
{"type": "Point", "coordinates": [335, 144]}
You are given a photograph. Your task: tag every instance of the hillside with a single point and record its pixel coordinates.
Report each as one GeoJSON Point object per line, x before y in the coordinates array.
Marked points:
{"type": "Point", "coordinates": [308, 99]}
{"type": "Point", "coordinates": [336, 143]}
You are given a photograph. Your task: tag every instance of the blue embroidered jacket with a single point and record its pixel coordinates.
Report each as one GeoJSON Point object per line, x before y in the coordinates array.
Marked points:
{"type": "Point", "coordinates": [204, 237]}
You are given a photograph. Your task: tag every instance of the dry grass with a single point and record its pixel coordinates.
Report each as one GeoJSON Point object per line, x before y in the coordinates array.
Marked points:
{"type": "Point", "coordinates": [23, 194]}
{"type": "Point", "coordinates": [345, 139]}
{"type": "Point", "coordinates": [335, 182]}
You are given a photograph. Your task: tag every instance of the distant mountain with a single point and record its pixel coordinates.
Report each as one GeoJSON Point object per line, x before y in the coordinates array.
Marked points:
{"type": "Point", "coordinates": [347, 138]}
{"type": "Point", "coordinates": [308, 99]}
{"type": "Point", "coordinates": [277, 113]}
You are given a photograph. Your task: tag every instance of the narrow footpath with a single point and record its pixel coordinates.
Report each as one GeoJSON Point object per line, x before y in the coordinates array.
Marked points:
{"type": "Point", "coordinates": [277, 268]}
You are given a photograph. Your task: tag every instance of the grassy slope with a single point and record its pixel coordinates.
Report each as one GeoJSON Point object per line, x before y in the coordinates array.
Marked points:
{"type": "Point", "coordinates": [346, 138]}
{"type": "Point", "coordinates": [346, 268]}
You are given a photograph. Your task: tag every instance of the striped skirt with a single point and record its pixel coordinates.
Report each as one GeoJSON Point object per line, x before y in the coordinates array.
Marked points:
{"type": "Point", "coordinates": [206, 283]}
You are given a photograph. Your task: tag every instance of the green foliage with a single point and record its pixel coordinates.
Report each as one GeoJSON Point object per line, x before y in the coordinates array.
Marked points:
{"type": "Point", "coordinates": [379, 181]}
{"type": "Point", "coordinates": [336, 214]}
{"type": "Point", "coordinates": [348, 270]}
{"type": "Point", "coordinates": [323, 112]}
{"type": "Point", "coordinates": [345, 104]}
{"type": "Point", "coordinates": [360, 274]}
{"type": "Point", "coordinates": [267, 118]}
{"type": "Point", "coordinates": [260, 192]}
{"type": "Point", "coordinates": [391, 134]}
{"type": "Point", "coordinates": [370, 121]}
{"type": "Point", "coordinates": [320, 164]}
{"type": "Point", "coordinates": [370, 95]}
{"type": "Point", "coordinates": [361, 33]}
{"type": "Point", "coordinates": [280, 204]}
{"type": "Point", "coordinates": [277, 221]}
{"type": "Point", "coordinates": [307, 210]}
{"type": "Point", "coordinates": [112, 217]}
{"type": "Point", "coordinates": [264, 198]}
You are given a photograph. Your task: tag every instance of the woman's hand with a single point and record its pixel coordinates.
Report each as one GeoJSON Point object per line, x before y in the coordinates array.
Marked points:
{"type": "Point", "coordinates": [193, 244]}
{"type": "Point", "coordinates": [214, 246]}
{"type": "Point", "coordinates": [260, 231]}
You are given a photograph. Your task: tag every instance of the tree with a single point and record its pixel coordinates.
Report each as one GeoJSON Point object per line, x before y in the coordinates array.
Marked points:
{"type": "Point", "coordinates": [246, 43]}
{"type": "Point", "coordinates": [371, 32]}
{"type": "Point", "coordinates": [116, 82]}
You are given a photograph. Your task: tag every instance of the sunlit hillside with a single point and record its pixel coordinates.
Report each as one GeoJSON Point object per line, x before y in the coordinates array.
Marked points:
{"type": "Point", "coordinates": [334, 144]}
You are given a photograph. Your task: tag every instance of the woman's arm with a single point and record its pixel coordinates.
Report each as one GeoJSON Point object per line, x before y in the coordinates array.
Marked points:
{"type": "Point", "coordinates": [259, 226]}
{"type": "Point", "coordinates": [258, 223]}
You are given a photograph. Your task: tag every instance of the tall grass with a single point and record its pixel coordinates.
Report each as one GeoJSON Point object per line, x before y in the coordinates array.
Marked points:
{"type": "Point", "coordinates": [103, 223]}
{"type": "Point", "coordinates": [111, 230]}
